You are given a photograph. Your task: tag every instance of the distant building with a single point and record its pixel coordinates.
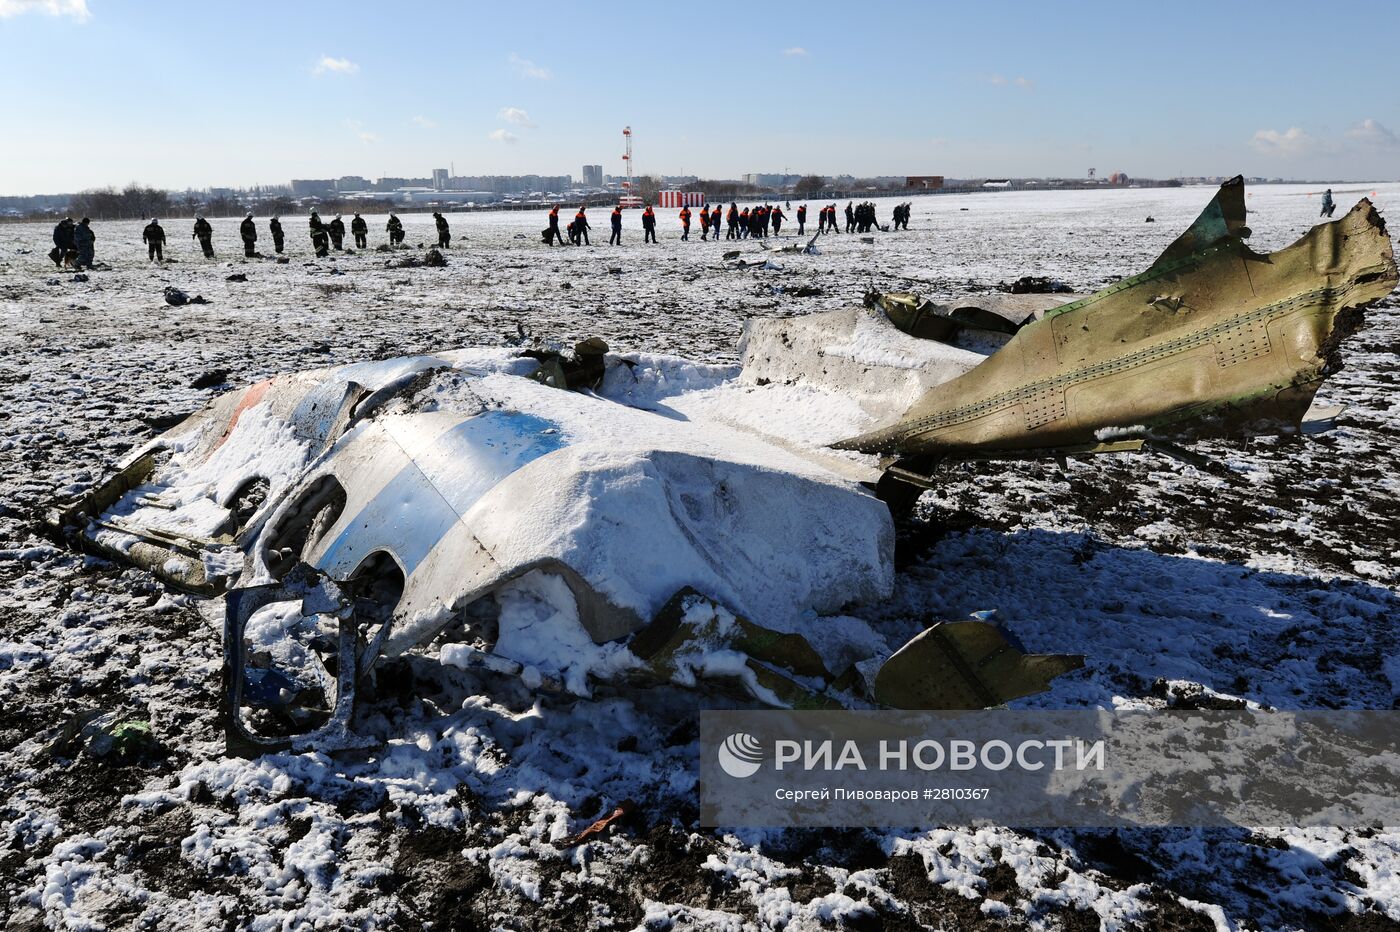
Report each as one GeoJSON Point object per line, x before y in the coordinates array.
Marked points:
{"type": "Point", "coordinates": [1118, 178]}
{"type": "Point", "coordinates": [770, 180]}
{"type": "Point", "coordinates": [312, 187]}
{"type": "Point", "coordinates": [592, 176]}
{"type": "Point", "coordinates": [351, 183]}
{"type": "Point", "coordinates": [440, 179]}
{"type": "Point", "coordinates": [930, 182]}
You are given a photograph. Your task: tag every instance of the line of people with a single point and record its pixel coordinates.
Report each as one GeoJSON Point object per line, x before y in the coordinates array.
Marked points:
{"type": "Point", "coordinates": [74, 243]}
{"type": "Point", "coordinates": [738, 223]}
{"type": "Point", "coordinates": [324, 236]}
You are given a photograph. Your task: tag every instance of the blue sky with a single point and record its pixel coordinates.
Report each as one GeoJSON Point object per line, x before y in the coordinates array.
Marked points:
{"type": "Point", "coordinates": [178, 94]}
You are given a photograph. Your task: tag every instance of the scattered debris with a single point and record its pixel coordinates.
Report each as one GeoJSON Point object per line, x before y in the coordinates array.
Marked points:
{"type": "Point", "coordinates": [211, 378]}
{"type": "Point", "coordinates": [623, 810]}
{"type": "Point", "coordinates": [1035, 284]}
{"type": "Point", "coordinates": [177, 298]}
{"type": "Point", "coordinates": [163, 422]}
{"type": "Point", "coordinates": [237, 277]}
{"type": "Point", "coordinates": [660, 542]}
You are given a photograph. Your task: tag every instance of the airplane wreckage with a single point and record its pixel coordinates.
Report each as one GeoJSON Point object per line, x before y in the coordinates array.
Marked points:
{"type": "Point", "coordinates": [365, 511]}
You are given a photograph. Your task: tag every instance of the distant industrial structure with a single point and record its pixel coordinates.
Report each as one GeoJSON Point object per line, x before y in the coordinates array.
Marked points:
{"type": "Point", "coordinates": [924, 182]}
{"type": "Point", "coordinates": [630, 197]}
{"type": "Point", "coordinates": [441, 176]}
{"type": "Point", "coordinates": [769, 180]}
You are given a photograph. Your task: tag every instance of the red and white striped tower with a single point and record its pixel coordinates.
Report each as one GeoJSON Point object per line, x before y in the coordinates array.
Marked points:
{"type": "Point", "coordinates": [629, 188]}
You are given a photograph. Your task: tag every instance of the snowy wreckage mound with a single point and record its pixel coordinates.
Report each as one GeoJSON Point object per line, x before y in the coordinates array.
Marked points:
{"type": "Point", "coordinates": [636, 530]}
{"type": "Point", "coordinates": [645, 519]}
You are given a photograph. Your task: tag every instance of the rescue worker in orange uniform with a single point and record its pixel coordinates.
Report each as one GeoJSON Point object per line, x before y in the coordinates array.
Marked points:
{"type": "Point", "coordinates": [648, 225]}
{"type": "Point", "coordinates": [554, 233]}
{"type": "Point", "coordinates": [615, 239]}
{"type": "Point", "coordinates": [685, 223]}
{"type": "Point", "coordinates": [704, 222]}
{"type": "Point", "coordinates": [581, 226]}
{"type": "Point", "coordinates": [801, 219]}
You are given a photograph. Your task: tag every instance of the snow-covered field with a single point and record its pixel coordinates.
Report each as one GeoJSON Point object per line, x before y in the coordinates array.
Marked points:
{"type": "Point", "coordinates": [1271, 579]}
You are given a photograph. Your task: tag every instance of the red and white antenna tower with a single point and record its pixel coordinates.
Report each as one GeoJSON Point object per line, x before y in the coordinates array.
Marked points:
{"type": "Point", "coordinates": [629, 197]}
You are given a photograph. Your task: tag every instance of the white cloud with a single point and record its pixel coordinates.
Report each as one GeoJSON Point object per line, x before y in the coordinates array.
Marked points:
{"type": "Point", "coordinates": [424, 122]}
{"type": "Point", "coordinates": [528, 69]}
{"type": "Point", "coordinates": [1371, 133]}
{"type": "Point", "coordinates": [517, 116]}
{"type": "Point", "coordinates": [501, 135]}
{"type": "Point", "coordinates": [1293, 141]}
{"type": "Point", "coordinates": [796, 51]}
{"type": "Point", "coordinates": [74, 9]}
{"type": "Point", "coordinates": [335, 66]}
{"type": "Point", "coordinates": [360, 132]}
{"type": "Point", "coordinates": [1001, 80]}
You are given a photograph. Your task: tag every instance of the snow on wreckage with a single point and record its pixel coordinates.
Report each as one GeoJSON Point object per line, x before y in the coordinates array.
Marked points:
{"type": "Point", "coordinates": [670, 522]}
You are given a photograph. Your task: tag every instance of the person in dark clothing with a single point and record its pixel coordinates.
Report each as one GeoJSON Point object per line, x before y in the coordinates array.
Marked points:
{"type": "Point", "coordinates": [715, 221]}
{"type": "Point", "coordinates": [320, 239]}
{"type": "Point", "coordinates": [744, 223]}
{"type": "Point", "coordinates": [616, 218]}
{"type": "Point", "coordinates": [444, 234]}
{"type": "Point", "coordinates": [801, 219]}
{"type": "Point", "coordinates": [205, 234]}
{"type": "Point", "coordinates": [336, 229]}
{"type": "Point", "coordinates": [154, 238]}
{"type": "Point", "coordinates": [850, 218]}
{"type": "Point", "coordinates": [62, 243]}
{"type": "Point", "coordinates": [554, 227]}
{"type": "Point", "coordinates": [732, 220]}
{"type": "Point", "coordinates": [395, 230]}
{"type": "Point", "coordinates": [778, 218]}
{"type": "Point", "coordinates": [275, 226]}
{"type": "Point", "coordinates": [1327, 205]}
{"type": "Point", "coordinates": [648, 225]}
{"type": "Point", "coordinates": [248, 230]}
{"type": "Point", "coordinates": [685, 224]}
{"type": "Point", "coordinates": [581, 228]}
{"type": "Point", "coordinates": [83, 239]}
{"type": "Point", "coordinates": [360, 230]}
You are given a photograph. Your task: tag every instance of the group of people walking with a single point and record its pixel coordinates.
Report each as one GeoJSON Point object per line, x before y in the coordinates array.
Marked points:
{"type": "Point", "coordinates": [74, 242]}
{"type": "Point", "coordinates": [324, 237]}
{"type": "Point", "coordinates": [738, 223]}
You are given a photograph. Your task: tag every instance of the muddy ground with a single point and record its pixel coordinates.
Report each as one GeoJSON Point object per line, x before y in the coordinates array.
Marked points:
{"type": "Point", "coordinates": [1267, 577]}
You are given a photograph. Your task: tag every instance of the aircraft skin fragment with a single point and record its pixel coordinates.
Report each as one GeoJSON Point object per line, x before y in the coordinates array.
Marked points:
{"type": "Point", "coordinates": [1214, 340]}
